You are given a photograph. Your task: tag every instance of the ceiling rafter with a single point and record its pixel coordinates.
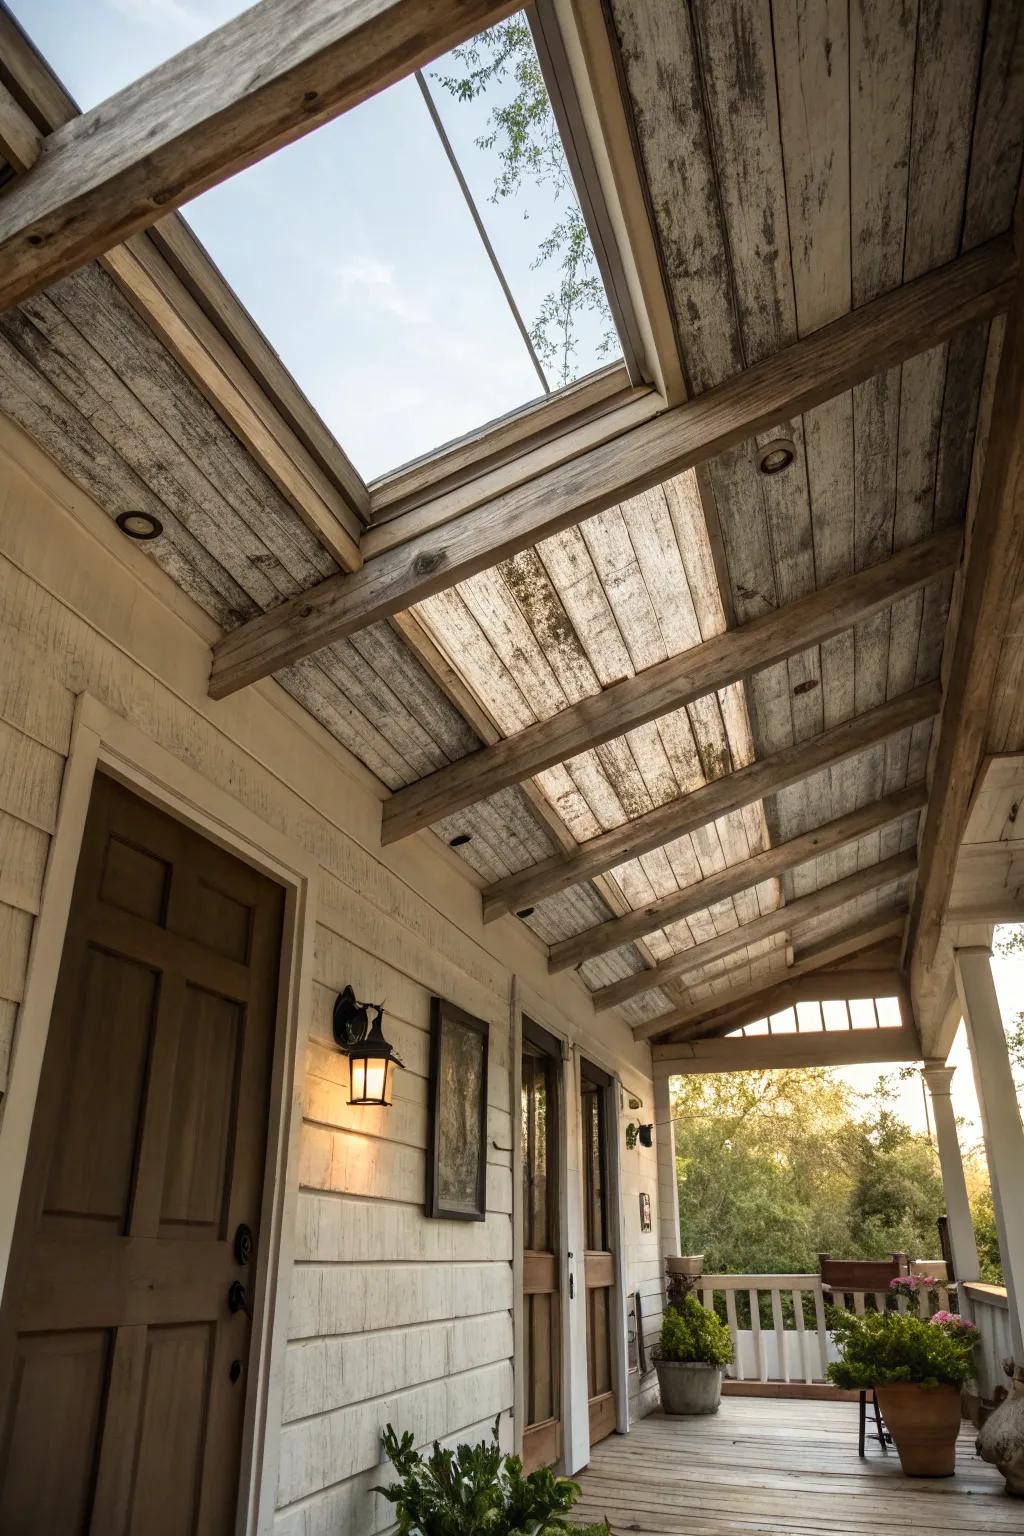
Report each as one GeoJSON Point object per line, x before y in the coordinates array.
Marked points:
{"type": "Point", "coordinates": [994, 563]}
{"type": "Point", "coordinates": [669, 685]}
{"type": "Point", "coordinates": [887, 331]}
{"type": "Point", "coordinates": [717, 798]}
{"type": "Point", "coordinates": [828, 898]}
{"type": "Point", "coordinates": [706, 1011]}
{"type": "Point", "coordinates": [769, 865]}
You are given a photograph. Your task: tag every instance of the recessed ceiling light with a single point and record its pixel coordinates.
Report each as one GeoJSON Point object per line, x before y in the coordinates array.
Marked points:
{"type": "Point", "coordinates": [776, 456]}
{"type": "Point", "coordinates": [460, 840]}
{"type": "Point", "coordinates": [139, 525]}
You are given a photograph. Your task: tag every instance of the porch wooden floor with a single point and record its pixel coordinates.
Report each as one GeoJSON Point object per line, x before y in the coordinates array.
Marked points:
{"type": "Point", "coordinates": [770, 1464]}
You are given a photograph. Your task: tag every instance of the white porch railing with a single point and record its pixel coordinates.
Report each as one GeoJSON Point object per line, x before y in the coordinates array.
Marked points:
{"type": "Point", "coordinates": [990, 1311]}
{"type": "Point", "coordinates": [797, 1346]}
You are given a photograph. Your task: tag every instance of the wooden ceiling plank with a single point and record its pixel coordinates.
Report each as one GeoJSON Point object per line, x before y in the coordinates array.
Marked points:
{"type": "Point", "coordinates": [820, 902]}
{"type": "Point", "coordinates": [815, 958]}
{"type": "Point", "coordinates": [715, 799]}
{"type": "Point", "coordinates": [994, 554]}
{"type": "Point", "coordinates": [770, 864]}
{"type": "Point", "coordinates": [669, 685]}
{"type": "Point", "coordinates": [272, 74]}
{"type": "Point", "coordinates": [895, 326]}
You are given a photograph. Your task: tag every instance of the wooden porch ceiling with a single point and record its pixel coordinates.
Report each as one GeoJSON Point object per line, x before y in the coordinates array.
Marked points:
{"type": "Point", "coordinates": [665, 702]}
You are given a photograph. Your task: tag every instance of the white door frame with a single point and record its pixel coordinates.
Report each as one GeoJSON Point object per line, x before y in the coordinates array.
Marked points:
{"type": "Point", "coordinates": [101, 739]}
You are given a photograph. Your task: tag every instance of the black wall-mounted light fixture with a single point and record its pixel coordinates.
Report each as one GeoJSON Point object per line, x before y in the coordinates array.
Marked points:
{"type": "Point", "coordinates": [371, 1060]}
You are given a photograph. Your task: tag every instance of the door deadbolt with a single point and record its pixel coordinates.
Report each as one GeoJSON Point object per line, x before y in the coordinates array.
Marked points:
{"type": "Point", "coordinates": [243, 1244]}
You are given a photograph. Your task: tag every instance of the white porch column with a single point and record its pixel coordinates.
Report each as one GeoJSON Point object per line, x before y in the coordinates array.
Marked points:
{"type": "Point", "coordinates": [958, 1210]}
{"type": "Point", "coordinates": [1000, 1120]}
{"type": "Point", "coordinates": [668, 1189]}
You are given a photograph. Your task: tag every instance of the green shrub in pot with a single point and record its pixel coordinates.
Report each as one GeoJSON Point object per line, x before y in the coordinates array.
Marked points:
{"type": "Point", "coordinates": [917, 1367]}
{"type": "Point", "coordinates": [694, 1349]}
{"type": "Point", "coordinates": [473, 1490]}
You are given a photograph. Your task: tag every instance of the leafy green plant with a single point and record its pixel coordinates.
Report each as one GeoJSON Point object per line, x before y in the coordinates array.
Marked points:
{"type": "Point", "coordinates": [474, 1490]}
{"type": "Point", "coordinates": [884, 1347]}
{"type": "Point", "coordinates": [523, 134]}
{"type": "Point", "coordinates": [689, 1332]}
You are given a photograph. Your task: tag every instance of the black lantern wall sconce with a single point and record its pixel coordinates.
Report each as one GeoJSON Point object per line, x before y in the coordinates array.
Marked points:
{"type": "Point", "coordinates": [371, 1060]}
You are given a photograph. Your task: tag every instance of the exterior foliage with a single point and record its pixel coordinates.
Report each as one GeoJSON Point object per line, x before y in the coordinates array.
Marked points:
{"type": "Point", "coordinates": [777, 1167]}
{"type": "Point", "coordinates": [525, 137]}
{"type": "Point", "coordinates": [474, 1490]}
{"type": "Point", "coordinates": [690, 1333]}
{"type": "Point", "coordinates": [884, 1347]}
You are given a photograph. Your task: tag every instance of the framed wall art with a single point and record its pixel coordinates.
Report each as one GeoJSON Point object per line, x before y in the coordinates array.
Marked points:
{"type": "Point", "coordinates": [457, 1155]}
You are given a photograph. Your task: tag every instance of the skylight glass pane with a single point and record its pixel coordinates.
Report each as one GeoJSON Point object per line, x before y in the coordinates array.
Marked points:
{"type": "Point", "coordinates": [354, 248]}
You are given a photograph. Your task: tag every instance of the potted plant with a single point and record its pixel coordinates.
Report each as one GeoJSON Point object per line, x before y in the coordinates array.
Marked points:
{"type": "Point", "coordinates": [475, 1489]}
{"type": "Point", "coordinates": [691, 1357]}
{"type": "Point", "coordinates": [917, 1369]}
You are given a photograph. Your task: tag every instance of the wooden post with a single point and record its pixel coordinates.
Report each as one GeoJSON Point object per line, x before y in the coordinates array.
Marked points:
{"type": "Point", "coordinates": [668, 1189]}
{"type": "Point", "coordinates": [1000, 1120]}
{"type": "Point", "coordinates": [960, 1228]}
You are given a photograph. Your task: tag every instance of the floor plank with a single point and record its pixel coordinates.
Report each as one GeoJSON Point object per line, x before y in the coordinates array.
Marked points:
{"type": "Point", "coordinates": [784, 1467]}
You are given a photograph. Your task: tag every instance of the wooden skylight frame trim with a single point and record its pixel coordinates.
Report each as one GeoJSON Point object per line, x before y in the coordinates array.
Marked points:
{"type": "Point", "coordinates": [589, 102]}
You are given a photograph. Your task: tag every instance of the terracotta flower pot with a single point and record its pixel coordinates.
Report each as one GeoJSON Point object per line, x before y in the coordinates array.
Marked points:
{"type": "Point", "coordinates": [924, 1423]}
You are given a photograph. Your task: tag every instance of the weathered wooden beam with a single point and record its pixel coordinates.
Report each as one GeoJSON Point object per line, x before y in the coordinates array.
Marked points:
{"type": "Point", "coordinates": [679, 817]}
{"type": "Point", "coordinates": [20, 139]}
{"type": "Point", "coordinates": [707, 1011]}
{"type": "Point", "coordinates": [878, 335]}
{"type": "Point", "coordinates": [669, 685]}
{"type": "Point", "coordinates": [825, 1049]}
{"type": "Point", "coordinates": [266, 78]}
{"type": "Point", "coordinates": [728, 882]}
{"type": "Point", "coordinates": [994, 563]}
{"type": "Point", "coordinates": [804, 910]}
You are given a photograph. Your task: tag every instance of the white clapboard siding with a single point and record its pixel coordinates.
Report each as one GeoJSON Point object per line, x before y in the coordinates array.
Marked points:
{"type": "Point", "coordinates": [390, 1315]}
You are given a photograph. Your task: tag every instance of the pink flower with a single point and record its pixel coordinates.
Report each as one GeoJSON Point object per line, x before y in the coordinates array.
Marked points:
{"type": "Point", "coordinates": [953, 1321]}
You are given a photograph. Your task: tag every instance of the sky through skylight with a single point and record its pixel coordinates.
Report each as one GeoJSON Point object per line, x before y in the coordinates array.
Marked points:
{"type": "Point", "coordinates": [353, 248]}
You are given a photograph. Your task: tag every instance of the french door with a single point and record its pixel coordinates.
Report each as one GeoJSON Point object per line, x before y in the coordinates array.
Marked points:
{"type": "Point", "coordinates": [125, 1334]}
{"type": "Point", "coordinates": [599, 1257]}
{"type": "Point", "coordinates": [540, 1107]}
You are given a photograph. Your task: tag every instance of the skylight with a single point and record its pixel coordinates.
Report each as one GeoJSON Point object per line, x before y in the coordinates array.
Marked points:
{"type": "Point", "coordinates": [355, 249]}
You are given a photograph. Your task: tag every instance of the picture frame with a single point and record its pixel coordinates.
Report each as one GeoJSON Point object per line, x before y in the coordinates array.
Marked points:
{"type": "Point", "coordinates": [457, 1151]}
{"type": "Point", "coordinates": [645, 1212]}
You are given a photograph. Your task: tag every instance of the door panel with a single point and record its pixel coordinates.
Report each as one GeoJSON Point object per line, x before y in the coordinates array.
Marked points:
{"type": "Point", "coordinates": [542, 1435]}
{"type": "Point", "coordinates": [599, 1258]}
{"type": "Point", "coordinates": [118, 1412]}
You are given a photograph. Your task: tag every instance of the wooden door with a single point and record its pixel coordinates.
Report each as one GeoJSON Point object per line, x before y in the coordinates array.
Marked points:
{"type": "Point", "coordinates": [542, 1434]}
{"type": "Point", "coordinates": [599, 1258]}
{"type": "Point", "coordinates": [123, 1371]}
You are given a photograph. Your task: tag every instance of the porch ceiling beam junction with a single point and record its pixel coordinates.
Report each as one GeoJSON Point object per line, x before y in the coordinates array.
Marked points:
{"type": "Point", "coordinates": [993, 565]}
{"type": "Point", "coordinates": [274, 73]}
{"type": "Point", "coordinates": [702, 806]}
{"type": "Point", "coordinates": [804, 910]}
{"type": "Point", "coordinates": [669, 685]}
{"type": "Point", "coordinates": [819, 1049]}
{"type": "Point", "coordinates": [711, 1009]}
{"type": "Point", "coordinates": [885, 332]}
{"type": "Point", "coordinates": [729, 882]}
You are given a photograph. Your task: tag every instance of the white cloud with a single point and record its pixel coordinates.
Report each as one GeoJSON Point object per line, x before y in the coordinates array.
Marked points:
{"type": "Point", "coordinates": [367, 280]}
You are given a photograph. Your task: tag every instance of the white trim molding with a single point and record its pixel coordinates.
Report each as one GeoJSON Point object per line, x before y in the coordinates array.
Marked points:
{"type": "Point", "coordinates": [103, 740]}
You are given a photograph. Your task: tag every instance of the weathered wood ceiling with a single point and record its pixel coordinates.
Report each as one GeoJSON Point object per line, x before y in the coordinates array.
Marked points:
{"type": "Point", "coordinates": [800, 162]}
